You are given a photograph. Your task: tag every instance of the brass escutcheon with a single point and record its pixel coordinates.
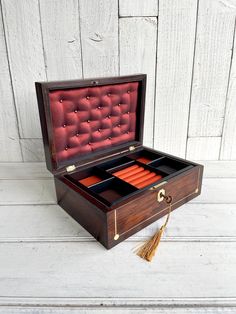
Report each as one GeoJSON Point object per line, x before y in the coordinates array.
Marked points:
{"type": "Point", "coordinates": [161, 195]}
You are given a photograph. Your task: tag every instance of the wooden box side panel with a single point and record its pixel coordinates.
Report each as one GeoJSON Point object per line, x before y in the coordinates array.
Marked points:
{"type": "Point", "coordinates": [139, 213]}
{"type": "Point", "coordinates": [84, 212]}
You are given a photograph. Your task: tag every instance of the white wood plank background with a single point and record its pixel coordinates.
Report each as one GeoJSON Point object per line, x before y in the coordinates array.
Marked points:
{"type": "Point", "coordinates": [49, 263]}
{"type": "Point", "coordinates": [138, 55]}
{"type": "Point", "coordinates": [176, 35]}
{"type": "Point", "coordinates": [26, 60]}
{"type": "Point", "coordinates": [186, 47]}
{"type": "Point", "coordinates": [99, 37]}
{"type": "Point", "coordinates": [214, 43]}
{"type": "Point", "coordinates": [9, 133]}
{"type": "Point", "coordinates": [60, 23]}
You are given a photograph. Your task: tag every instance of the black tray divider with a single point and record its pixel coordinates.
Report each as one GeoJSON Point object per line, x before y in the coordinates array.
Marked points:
{"type": "Point", "coordinates": [100, 182]}
{"type": "Point", "coordinates": [148, 163]}
{"type": "Point", "coordinates": [107, 176]}
{"type": "Point", "coordinates": [121, 185]}
{"type": "Point", "coordinates": [174, 166]}
{"type": "Point", "coordinates": [121, 162]}
{"type": "Point", "coordinates": [145, 153]}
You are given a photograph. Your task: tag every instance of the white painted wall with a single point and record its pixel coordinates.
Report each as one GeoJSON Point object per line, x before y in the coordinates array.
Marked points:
{"type": "Point", "coordinates": [186, 47]}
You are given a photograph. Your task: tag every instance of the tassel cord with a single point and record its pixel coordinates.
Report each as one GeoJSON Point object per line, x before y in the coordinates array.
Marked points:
{"type": "Point", "coordinates": [148, 249]}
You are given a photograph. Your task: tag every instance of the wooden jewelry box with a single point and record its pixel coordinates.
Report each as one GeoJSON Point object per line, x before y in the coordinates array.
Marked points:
{"type": "Point", "coordinates": [104, 177]}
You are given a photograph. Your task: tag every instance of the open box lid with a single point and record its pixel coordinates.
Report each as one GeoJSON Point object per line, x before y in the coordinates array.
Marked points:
{"type": "Point", "coordinates": [86, 120]}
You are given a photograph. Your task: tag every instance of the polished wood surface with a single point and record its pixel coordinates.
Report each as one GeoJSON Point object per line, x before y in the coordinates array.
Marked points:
{"type": "Point", "coordinates": [107, 208]}
{"type": "Point", "coordinates": [145, 209]}
{"type": "Point", "coordinates": [83, 211]}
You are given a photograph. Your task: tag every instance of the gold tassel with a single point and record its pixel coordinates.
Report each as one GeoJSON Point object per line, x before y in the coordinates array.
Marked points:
{"type": "Point", "coordinates": [147, 250]}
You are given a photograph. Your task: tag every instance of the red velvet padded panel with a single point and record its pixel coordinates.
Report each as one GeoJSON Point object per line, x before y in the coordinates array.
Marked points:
{"type": "Point", "coordinates": [89, 119]}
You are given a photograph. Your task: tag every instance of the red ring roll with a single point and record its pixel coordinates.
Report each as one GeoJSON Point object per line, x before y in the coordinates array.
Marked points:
{"type": "Point", "coordinates": [138, 175]}
{"type": "Point", "coordinates": [123, 171]}
{"type": "Point", "coordinates": [147, 182]}
{"type": "Point", "coordinates": [143, 179]}
{"type": "Point", "coordinates": [90, 180]}
{"type": "Point", "coordinates": [131, 173]}
{"type": "Point", "coordinates": [144, 160]}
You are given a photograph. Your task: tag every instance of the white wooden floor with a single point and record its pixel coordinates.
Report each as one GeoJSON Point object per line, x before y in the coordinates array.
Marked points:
{"type": "Point", "coordinates": [49, 264]}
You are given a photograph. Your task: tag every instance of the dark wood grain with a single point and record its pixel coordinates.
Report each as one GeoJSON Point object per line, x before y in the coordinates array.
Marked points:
{"type": "Point", "coordinates": [139, 213]}
{"type": "Point", "coordinates": [93, 219]}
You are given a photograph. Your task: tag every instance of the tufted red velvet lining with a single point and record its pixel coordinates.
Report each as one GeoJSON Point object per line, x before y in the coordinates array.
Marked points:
{"type": "Point", "coordinates": [85, 120]}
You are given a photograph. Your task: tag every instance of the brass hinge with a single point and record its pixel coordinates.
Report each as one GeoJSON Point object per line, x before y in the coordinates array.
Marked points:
{"type": "Point", "coordinates": [131, 148]}
{"type": "Point", "coordinates": [70, 168]}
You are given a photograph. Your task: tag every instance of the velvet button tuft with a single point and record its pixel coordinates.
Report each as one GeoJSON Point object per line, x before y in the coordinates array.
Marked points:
{"type": "Point", "coordinates": [95, 110]}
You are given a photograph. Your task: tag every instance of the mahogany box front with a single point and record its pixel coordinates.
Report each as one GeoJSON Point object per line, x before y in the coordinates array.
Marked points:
{"type": "Point", "coordinates": [104, 177]}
